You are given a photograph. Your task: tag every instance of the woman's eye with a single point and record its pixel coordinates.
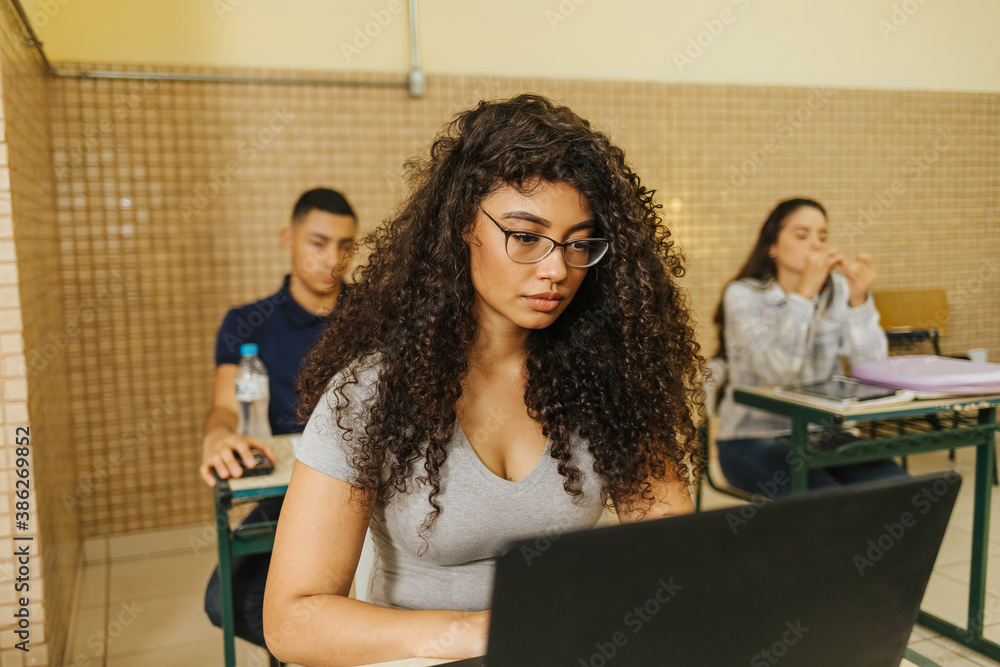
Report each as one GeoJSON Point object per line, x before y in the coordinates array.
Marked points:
{"type": "Point", "coordinates": [524, 239]}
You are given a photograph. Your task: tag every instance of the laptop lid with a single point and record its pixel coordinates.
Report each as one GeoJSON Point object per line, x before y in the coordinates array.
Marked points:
{"type": "Point", "coordinates": [825, 578]}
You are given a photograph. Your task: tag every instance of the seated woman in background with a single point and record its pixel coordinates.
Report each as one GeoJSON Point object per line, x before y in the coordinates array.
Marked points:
{"type": "Point", "coordinates": [788, 316]}
{"type": "Point", "coordinates": [515, 357]}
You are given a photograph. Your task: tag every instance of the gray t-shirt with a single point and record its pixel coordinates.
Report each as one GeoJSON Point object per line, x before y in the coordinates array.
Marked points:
{"type": "Point", "coordinates": [453, 569]}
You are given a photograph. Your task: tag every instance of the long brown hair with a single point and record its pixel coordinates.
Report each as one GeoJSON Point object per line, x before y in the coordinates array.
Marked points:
{"type": "Point", "coordinates": [619, 366]}
{"type": "Point", "coordinates": [760, 264]}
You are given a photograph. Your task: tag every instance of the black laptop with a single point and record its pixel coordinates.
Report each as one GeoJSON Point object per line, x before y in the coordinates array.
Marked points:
{"type": "Point", "coordinates": [829, 578]}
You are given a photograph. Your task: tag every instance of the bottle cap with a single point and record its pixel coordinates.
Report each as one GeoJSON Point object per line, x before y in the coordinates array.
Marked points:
{"type": "Point", "coordinates": [248, 349]}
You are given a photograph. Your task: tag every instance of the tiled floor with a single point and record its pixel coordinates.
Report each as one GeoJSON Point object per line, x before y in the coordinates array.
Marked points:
{"type": "Point", "coordinates": [141, 596]}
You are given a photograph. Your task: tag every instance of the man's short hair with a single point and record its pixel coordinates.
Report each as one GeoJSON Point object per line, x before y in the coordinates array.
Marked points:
{"type": "Point", "coordinates": [321, 199]}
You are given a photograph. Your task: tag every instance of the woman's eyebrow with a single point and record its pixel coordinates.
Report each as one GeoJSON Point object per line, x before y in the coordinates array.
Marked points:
{"type": "Point", "coordinates": [538, 220]}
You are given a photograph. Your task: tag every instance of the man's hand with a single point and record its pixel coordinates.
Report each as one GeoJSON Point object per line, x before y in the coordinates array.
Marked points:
{"type": "Point", "coordinates": [860, 276]}
{"type": "Point", "coordinates": [818, 265]}
{"type": "Point", "coordinates": [220, 449]}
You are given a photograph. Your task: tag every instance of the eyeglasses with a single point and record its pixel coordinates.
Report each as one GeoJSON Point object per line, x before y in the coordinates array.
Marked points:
{"type": "Point", "coordinates": [529, 247]}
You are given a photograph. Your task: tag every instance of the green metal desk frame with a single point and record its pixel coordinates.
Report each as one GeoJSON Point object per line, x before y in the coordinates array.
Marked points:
{"type": "Point", "coordinates": [242, 540]}
{"type": "Point", "coordinates": [980, 436]}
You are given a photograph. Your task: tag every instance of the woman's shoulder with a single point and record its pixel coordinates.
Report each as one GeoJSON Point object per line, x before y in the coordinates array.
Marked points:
{"type": "Point", "coordinates": [747, 290]}
{"type": "Point", "coordinates": [749, 284]}
{"type": "Point", "coordinates": [356, 380]}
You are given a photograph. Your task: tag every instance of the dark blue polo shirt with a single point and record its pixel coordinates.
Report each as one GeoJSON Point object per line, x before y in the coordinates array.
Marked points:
{"type": "Point", "coordinates": [284, 333]}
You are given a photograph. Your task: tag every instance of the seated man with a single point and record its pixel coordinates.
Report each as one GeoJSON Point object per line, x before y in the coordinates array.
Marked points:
{"type": "Point", "coordinates": [285, 326]}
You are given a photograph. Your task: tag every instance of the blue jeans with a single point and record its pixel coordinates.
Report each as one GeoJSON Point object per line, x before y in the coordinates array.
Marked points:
{"type": "Point", "coordinates": [249, 575]}
{"type": "Point", "coordinates": [761, 467]}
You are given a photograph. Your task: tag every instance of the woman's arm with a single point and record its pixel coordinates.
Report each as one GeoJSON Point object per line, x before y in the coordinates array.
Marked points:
{"type": "Point", "coordinates": [772, 344]}
{"type": "Point", "coordinates": [308, 618]}
{"type": "Point", "coordinates": [865, 339]}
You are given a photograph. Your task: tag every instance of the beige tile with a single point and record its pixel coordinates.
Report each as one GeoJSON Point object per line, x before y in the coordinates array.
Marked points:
{"type": "Point", "coordinates": [153, 541]}
{"type": "Point", "coordinates": [153, 623]}
{"type": "Point", "coordinates": [95, 550]}
{"type": "Point", "coordinates": [12, 658]}
{"type": "Point", "coordinates": [89, 635]}
{"type": "Point", "coordinates": [957, 548]}
{"type": "Point", "coordinates": [160, 575]}
{"type": "Point", "coordinates": [203, 652]}
{"type": "Point", "coordinates": [38, 656]}
{"type": "Point", "coordinates": [946, 599]}
{"type": "Point", "coordinates": [945, 654]}
{"type": "Point", "coordinates": [93, 585]}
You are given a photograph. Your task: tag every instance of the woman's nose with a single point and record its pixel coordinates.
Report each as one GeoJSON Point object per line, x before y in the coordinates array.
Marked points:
{"type": "Point", "coordinates": [553, 267]}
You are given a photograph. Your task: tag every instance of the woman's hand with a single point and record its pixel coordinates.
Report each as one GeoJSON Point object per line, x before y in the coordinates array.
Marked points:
{"type": "Point", "coordinates": [464, 637]}
{"type": "Point", "coordinates": [818, 265]}
{"type": "Point", "coordinates": [860, 276]}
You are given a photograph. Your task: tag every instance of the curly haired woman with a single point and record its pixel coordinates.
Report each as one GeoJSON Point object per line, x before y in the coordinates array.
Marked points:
{"type": "Point", "coordinates": [515, 356]}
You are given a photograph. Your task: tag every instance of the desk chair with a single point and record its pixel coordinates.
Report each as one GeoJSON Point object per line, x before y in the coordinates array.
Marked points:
{"type": "Point", "coordinates": [712, 473]}
{"type": "Point", "coordinates": [244, 539]}
{"type": "Point", "coordinates": [910, 317]}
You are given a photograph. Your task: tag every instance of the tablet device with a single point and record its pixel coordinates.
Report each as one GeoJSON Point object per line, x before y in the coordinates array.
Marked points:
{"type": "Point", "coordinates": [841, 389]}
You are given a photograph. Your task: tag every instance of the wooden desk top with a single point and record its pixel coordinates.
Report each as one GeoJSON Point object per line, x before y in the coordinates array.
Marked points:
{"type": "Point", "coordinates": [274, 484]}
{"type": "Point", "coordinates": [425, 662]}
{"type": "Point", "coordinates": [788, 404]}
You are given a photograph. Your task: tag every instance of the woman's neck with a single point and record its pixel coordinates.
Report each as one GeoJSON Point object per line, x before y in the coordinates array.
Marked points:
{"type": "Point", "coordinates": [787, 280]}
{"type": "Point", "coordinates": [499, 343]}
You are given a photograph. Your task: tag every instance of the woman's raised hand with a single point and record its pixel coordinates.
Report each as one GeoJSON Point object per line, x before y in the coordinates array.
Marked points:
{"type": "Point", "coordinates": [860, 275]}
{"type": "Point", "coordinates": [819, 262]}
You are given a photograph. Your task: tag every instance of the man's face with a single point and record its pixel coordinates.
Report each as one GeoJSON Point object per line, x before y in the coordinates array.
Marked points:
{"type": "Point", "coordinates": [321, 245]}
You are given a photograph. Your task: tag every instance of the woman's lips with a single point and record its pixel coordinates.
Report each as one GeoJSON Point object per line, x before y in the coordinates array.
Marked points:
{"type": "Point", "coordinates": [544, 303]}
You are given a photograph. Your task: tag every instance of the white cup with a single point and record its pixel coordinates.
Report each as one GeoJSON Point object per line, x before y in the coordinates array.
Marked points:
{"type": "Point", "coordinates": [977, 354]}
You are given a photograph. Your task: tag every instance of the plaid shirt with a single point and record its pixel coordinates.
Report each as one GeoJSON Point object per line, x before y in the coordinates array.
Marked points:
{"type": "Point", "coordinates": [775, 339]}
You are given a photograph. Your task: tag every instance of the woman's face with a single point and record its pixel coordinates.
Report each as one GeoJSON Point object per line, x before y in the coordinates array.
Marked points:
{"type": "Point", "coordinates": [802, 232]}
{"type": "Point", "coordinates": [529, 296]}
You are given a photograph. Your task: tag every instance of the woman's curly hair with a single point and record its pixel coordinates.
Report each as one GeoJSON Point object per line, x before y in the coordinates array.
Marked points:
{"type": "Point", "coordinates": [620, 366]}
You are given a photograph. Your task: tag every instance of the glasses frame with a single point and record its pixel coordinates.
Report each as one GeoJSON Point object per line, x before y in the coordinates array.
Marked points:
{"type": "Point", "coordinates": [555, 244]}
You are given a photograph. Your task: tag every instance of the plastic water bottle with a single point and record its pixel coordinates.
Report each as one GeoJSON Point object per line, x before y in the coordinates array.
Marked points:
{"type": "Point", "coordinates": [254, 395]}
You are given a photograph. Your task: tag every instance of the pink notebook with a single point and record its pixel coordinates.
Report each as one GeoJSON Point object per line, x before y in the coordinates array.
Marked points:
{"type": "Point", "coordinates": [931, 374]}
